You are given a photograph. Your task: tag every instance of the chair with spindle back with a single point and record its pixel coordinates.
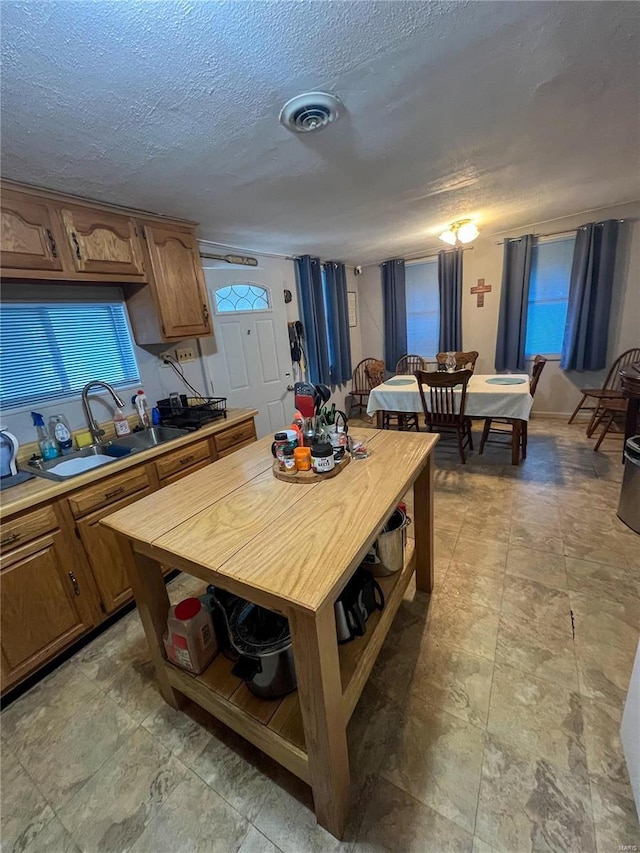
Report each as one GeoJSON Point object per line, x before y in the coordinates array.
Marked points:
{"type": "Point", "coordinates": [443, 405]}
{"type": "Point", "coordinates": [464, 360]}
{"type": "Point", "coordinates": [361, 385]}
{"type": "Point", "coordinates": [610, 390]}
{"type": "Point", "coordinates": [504, 426]}
{"type": "Point", "coordinates": [410, 363]}
{"type": "Point", "coordinates": [375, 370]}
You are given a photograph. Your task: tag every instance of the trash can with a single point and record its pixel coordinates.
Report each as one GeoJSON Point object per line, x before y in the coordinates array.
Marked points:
{"type": "Point", "coordinates": [629, 505]}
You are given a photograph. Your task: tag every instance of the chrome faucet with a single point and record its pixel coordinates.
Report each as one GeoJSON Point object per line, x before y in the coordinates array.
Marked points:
{"type": "Point", "coordinates": [94, 429]}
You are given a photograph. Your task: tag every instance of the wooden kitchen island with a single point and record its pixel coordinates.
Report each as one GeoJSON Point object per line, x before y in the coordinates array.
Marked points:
{"type": "Point", "coordinates": [290, 547]}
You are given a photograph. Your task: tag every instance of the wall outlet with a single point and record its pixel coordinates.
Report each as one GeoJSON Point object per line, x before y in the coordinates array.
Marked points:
{"type": "Point", "coordinates": [185, 354]}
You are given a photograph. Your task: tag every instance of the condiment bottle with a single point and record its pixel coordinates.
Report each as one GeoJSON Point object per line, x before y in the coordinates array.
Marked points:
{"type": "Point", "coordinates": [281, 440]}
{"type": "Point", "coordinates": [322, 458]}
{"type": "Point", "coordinates": [289, 459]}
{"type": "Point", "coordinates": [302, 456]}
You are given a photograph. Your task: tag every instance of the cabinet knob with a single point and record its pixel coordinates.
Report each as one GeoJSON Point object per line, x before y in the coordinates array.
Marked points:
{"type": "Point", "coordinates": [76, 588]}
{"type": "Point", "coordinates": [114, 492]}
{"type": "Point", "coordinates": [205, 311]}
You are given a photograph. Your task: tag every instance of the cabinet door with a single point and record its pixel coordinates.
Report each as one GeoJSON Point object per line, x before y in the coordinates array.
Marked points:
{"type": "Point", "coordinates": [103, 242]}
{"type": "Point", "coordinates": [28, 238]}
{"type": "Point", "coordinates": [40, 589]}
{"type": "Point", "coordinates": [179, 282]}
{"type": "Point", "coordinates": [101, 547]}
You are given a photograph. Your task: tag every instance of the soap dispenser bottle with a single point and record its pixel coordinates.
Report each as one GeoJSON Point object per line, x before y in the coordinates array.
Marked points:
{"type": "Point", "coordinates": [60, 430]}
{"type": "Point", "coordinates": [142, 408]}
{"type": "Point", "coordinates": [47, 445]}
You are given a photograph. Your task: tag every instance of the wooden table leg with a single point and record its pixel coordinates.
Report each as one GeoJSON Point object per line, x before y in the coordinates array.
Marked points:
{"type": "Point", "coordinates": [515, 441]}
{"type": "Point", "coordinates": [423, 526]}
{"type": "Point", "coordinates": [315, 652]}
{"type": "Point", "coordinates": [379, 419]}
{"type": "Point", "coordinates": [147, 582]}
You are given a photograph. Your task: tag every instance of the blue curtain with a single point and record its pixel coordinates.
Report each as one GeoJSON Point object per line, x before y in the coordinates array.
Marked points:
{"type": "Point", "coordinates": [338, 325]}
{"type": "Point", "coordinates": [450, 288]}
{"type": "Point", "coordinates": [395, 312]}
{"type": "Point", "coordinates": [586, 331]}
{"type": "Point", "coordinates": [309, 276]}
{"type": "Point", "coordinates": [514, 303]}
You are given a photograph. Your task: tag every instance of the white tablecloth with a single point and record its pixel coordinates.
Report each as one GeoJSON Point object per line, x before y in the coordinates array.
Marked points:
{"type": "Point", "coordinates": [484, 400]}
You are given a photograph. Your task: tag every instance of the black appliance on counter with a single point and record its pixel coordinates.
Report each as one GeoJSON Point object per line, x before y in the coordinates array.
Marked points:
{"type": "Point", "coordinates": [191, 412]}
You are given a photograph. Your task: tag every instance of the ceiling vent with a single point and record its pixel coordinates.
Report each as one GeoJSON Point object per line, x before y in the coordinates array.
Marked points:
{"type": "Point", "coordinates": [311, 111]}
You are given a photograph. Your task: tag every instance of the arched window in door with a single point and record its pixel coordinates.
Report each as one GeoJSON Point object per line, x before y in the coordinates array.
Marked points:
{"type": "Point", "coordinates": [246, 296]}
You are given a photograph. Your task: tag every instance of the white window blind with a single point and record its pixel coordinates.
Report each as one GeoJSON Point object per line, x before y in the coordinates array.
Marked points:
{"type": "Point", "coordinates": [423, 308]}
{"type": "Point", "coordinates": [51, 350]}
{"type": "Point", "coordinates": [548, 296]}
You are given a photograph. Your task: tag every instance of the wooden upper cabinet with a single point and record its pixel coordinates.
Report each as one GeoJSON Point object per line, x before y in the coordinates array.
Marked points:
{"type": "Point", "coordinates": [178, 281]}
{"type": "Point", "coordinates": [103, 242]}
{"type": "Point", "coordinates": [29, 239]}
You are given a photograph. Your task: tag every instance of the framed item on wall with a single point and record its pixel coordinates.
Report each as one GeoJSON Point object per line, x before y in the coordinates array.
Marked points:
{"type": "Point", "coordinates": [353, 308]}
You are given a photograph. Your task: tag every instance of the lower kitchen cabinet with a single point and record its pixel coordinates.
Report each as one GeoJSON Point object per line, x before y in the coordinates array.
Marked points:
{"type": "Point", "coordinates": [104, 557]}
{"type": "Point", "coordinates": [45, 604]}
{"type": "Point", "coordinates": [62, 573]}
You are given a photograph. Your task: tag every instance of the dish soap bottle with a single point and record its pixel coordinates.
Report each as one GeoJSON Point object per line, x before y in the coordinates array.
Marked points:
{"type": "Point", "coordinates": [47, 445]}
{"type": "Point", "coordinates": [120, 423]}
{"type": "Point", "coordinates": [142, 408]}
{"type": "Point", "coordinates": [59, 430]}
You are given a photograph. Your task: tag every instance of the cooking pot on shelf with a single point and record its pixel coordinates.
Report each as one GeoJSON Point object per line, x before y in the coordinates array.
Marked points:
{"type": "Point", "coordinates": [258, 640]}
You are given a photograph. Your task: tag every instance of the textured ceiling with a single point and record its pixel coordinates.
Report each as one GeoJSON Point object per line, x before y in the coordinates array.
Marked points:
{"type": "Point", "coordinates": [511, 113]}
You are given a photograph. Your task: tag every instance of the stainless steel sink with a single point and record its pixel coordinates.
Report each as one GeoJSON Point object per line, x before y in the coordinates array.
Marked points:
{"type": "Point", "coordinates": [81, 461]}
{"type": "Point", "coordinates": [147, 438]}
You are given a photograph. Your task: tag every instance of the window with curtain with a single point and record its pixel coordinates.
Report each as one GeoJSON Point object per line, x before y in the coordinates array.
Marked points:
{"type": "Point", "coordinates": [423, 308]}
{"type": "Point", "coordinates": [51, 350]}
{"type": "Point", "coordinates": [548, 295]}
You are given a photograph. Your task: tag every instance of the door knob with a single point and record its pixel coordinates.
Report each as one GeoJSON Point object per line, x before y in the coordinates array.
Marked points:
{"type": "Point", "coordinates": [289, 387]}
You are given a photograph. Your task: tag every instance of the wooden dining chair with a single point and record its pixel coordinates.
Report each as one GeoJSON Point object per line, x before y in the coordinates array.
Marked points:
{"type": "Point", "coordinates": [410, 363]}
{"type": "Point", "coordinates": [610, 391]}
{"type": "Point", "coordinates": [464, 360]}
{"type": "Point", "coordinates": [402, 421]}
{"type": "Point", "coordinates": [445, 411]}
{"type": "Point", "coordinates": [613, 418]}
{"type": "Point", "coordinates": [376, 372]}
{"type": "Point", "coordinates": [504, 426]}
{"type": "Point", "coordinates": [361, 386]}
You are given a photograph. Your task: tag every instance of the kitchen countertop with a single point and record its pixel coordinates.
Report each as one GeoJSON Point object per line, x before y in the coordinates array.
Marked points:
{"type": "Point", "coordinates": [36, 491]}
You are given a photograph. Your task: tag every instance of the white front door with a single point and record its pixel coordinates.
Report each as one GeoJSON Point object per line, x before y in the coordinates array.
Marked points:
{"type": "Point", "coordinates": [248, 360]}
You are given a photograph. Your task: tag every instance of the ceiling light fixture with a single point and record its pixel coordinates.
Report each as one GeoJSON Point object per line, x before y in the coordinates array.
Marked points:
{"type": "Point", "coordinates": [463, 231]}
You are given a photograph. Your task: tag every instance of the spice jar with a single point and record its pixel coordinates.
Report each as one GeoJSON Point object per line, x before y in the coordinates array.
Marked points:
{"type": "Point", "coordinates": [302, 456]}
{"type": "Point", "coordinates": [289, 459]}
{"type": "Point", "coordinates": [322, 458]}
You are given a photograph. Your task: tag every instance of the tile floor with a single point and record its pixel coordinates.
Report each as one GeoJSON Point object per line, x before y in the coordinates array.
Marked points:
{"type": "Point", "coordinates": [489, 722]}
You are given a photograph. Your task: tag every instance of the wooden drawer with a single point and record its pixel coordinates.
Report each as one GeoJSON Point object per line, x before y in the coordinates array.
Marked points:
{"type": "Point", "coordinates": [184, 458]}
{"type": "Point", "coordinates": [235, 447]}
{"type": "Point", "coordinates": [24, 528]}
{"type": "Point", "coordinates": [185, 473]}
{"type": "Point", "coordinates": [241, 434]}
{"type": "Point", "coordinates": [107, 491]}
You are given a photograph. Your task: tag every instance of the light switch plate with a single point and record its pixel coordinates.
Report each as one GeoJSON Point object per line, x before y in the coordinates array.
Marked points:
{"type": "Point", "coordinates": [185, 354]}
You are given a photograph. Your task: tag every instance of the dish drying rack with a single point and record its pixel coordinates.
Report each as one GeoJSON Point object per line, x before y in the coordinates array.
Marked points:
{"type": "Point", "coordinates": [191, 412]}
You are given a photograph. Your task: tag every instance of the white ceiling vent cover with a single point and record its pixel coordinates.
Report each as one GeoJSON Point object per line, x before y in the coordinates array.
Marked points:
{"type": "Point", "coordinates": [311, 111]}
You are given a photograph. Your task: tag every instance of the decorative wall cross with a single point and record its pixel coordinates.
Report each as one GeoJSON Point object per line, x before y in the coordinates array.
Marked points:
{"type": "Point", "coordinates": [480, 289]}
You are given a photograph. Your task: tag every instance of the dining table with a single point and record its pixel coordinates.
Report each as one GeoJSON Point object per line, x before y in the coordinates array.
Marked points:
{"type": "Point", "coordinates": [488, 396]}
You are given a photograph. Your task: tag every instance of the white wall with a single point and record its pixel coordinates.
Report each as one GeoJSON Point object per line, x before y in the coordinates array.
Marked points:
{"type": "Point", "coordinates": [558, 391]}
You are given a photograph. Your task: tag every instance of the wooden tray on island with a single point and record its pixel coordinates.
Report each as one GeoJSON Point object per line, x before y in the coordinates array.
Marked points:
{"type": "Point", "coordinates": [309, 476]}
